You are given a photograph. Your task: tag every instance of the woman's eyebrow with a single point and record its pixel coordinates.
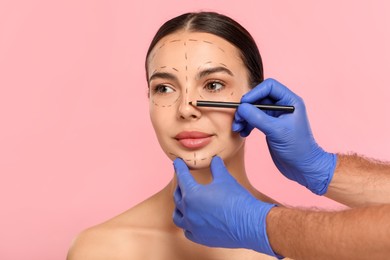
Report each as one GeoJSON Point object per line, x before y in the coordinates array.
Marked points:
{"type": "Point", "coordinates": [163, 75]}
{"type": "Point", "coordinates": [208, 71]}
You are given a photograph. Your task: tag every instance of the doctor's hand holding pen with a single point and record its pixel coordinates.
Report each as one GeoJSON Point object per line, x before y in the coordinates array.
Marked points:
{"type": "Point", "coordinates": [233, 218]}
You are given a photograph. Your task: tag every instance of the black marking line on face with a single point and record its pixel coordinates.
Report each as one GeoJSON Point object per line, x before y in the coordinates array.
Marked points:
{"type": "Point", "coordinates": [175, 69]}
{"type": "Point", "coordinates": [208, 42]}
{"type": "Point", "coordinates": [231, 94]}
{"type": "Point", "coordinates": [192, 40]}
{"type": "Point", "coordinates": [221, 49]}
{"type": "Point", "coordinates": [155, 52]}
{"type": "Point", "coordinates": [157, 105]}
{"type": "Point", "coordinates": [194, 158]}
{"type": "Point", "coordinates": [163, 67]}
{"type": "Point", "coordinates": [223, 65]}
{"type": "Point", "coordinates": [175, 41]}
{"type": "Point", "coordinates": [204, 64]}
{"type": "Point", "coordinates": [185, 55]}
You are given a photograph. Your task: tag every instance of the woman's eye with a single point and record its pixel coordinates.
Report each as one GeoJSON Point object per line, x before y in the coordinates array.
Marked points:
{"type": "Point", "coordinates": [163, 89]}
{"type": "Point", "coordinates": [214, 86]}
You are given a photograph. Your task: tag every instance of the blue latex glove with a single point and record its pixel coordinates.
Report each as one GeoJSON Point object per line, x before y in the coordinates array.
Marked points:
{"type": "Point", "coordinates": [290, 140]}
{"type": "Point", "coordinates": [222, 213]}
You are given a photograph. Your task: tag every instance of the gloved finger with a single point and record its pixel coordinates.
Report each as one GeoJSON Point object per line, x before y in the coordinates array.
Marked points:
{"type": "Point", "coordinates": [246, 130]}
{"type": "Point", "coordinates": [188, 234]}
{"type": "Point", "coordinates": [237, 127]}
{"type": "Point", "coordinates": [178, 218]}
{"type": "Point", "coordinates": [177, 198]}
{"type": "Point", "coordinates": [184, 177]}
{"type": "Point", "coordinates": [238, 123]}
{"type": "Point", "coordinates": [257, 118]}
{"type": "Point", "coordinates": [218, 169]}
{"type": "Point", "coordinates": [238, 118]}
{"type": "Point", "coordinates": [269, 88]}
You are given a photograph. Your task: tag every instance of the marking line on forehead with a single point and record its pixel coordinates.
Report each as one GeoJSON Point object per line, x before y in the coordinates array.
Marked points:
{"type": "Point", "coordinates": [163, 75]}
{"type": "Point", "coordinates": [223, 64]}
{"type": "Point", "coordinates": [185, 55]}
{"type": "Point", "coordinates": [208, 42]}
{"type": "Point", "coordinates": [213, 44]}
{"type": "Point", "coordinates": [208, 71]}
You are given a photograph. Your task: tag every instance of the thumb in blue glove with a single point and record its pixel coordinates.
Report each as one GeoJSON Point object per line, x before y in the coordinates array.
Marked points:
{"type": "Point", "coordinates": [221, 213]}
{"type": "Point", "coordinates": [290, 140]}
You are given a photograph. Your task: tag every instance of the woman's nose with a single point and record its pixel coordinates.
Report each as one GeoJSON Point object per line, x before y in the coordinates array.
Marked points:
{"type": "Point", "coordinates": [187, 110]}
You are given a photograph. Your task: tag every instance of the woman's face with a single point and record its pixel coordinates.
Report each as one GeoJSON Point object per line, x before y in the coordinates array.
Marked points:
{"type": "Point", "coordinates": [189, 66]}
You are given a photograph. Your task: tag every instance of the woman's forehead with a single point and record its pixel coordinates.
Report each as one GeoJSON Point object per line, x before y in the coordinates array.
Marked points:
{"type": "Point", "coordinates": [198, 47]}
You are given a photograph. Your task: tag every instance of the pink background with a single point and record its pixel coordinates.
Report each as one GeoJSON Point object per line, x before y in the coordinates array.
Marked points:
{"type": "Point", "coordinates": [76, 144]}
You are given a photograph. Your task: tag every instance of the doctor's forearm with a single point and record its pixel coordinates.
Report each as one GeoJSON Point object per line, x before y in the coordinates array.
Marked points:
{"type": "Point", "coordinates": [359, 181]}
{"type": "Point", "coordinates": [360, 233]}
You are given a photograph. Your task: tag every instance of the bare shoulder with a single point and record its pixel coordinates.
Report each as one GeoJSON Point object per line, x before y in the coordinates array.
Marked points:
{"type": "Point", "coordinates": [103, 241]}
{"type": "Point", "coordinates": [126, 236]}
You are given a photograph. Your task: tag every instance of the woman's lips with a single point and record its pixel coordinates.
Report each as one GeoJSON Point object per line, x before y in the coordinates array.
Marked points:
{"type": "Point", "coordinates": [193, 140]}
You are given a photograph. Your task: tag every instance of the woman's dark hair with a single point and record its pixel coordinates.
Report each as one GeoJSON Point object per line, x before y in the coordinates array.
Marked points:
{"type": "Point", "coordinates": [222, 26]}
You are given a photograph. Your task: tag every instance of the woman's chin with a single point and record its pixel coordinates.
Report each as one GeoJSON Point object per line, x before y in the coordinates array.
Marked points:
{"type": "Point", "coordinates": [199, 165]}
{"type": "Point", "coordinates": [194, 160]}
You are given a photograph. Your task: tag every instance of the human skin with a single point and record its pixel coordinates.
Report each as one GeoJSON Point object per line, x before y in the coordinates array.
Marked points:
{"type": "Point", "coordinates": [205, 53]}
{"type": "Point", "coordinates": [362, 232]}
{"type": "Point", "coordinates": [147, 231]}
{"type": "Point", "coordinates": [360, 181]}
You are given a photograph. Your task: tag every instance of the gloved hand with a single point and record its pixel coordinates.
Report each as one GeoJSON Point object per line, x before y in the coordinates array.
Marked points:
{"type": "Point", "coordinates": [222, 213]}
{"type": "Point", "coordinates": [290, 140]}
